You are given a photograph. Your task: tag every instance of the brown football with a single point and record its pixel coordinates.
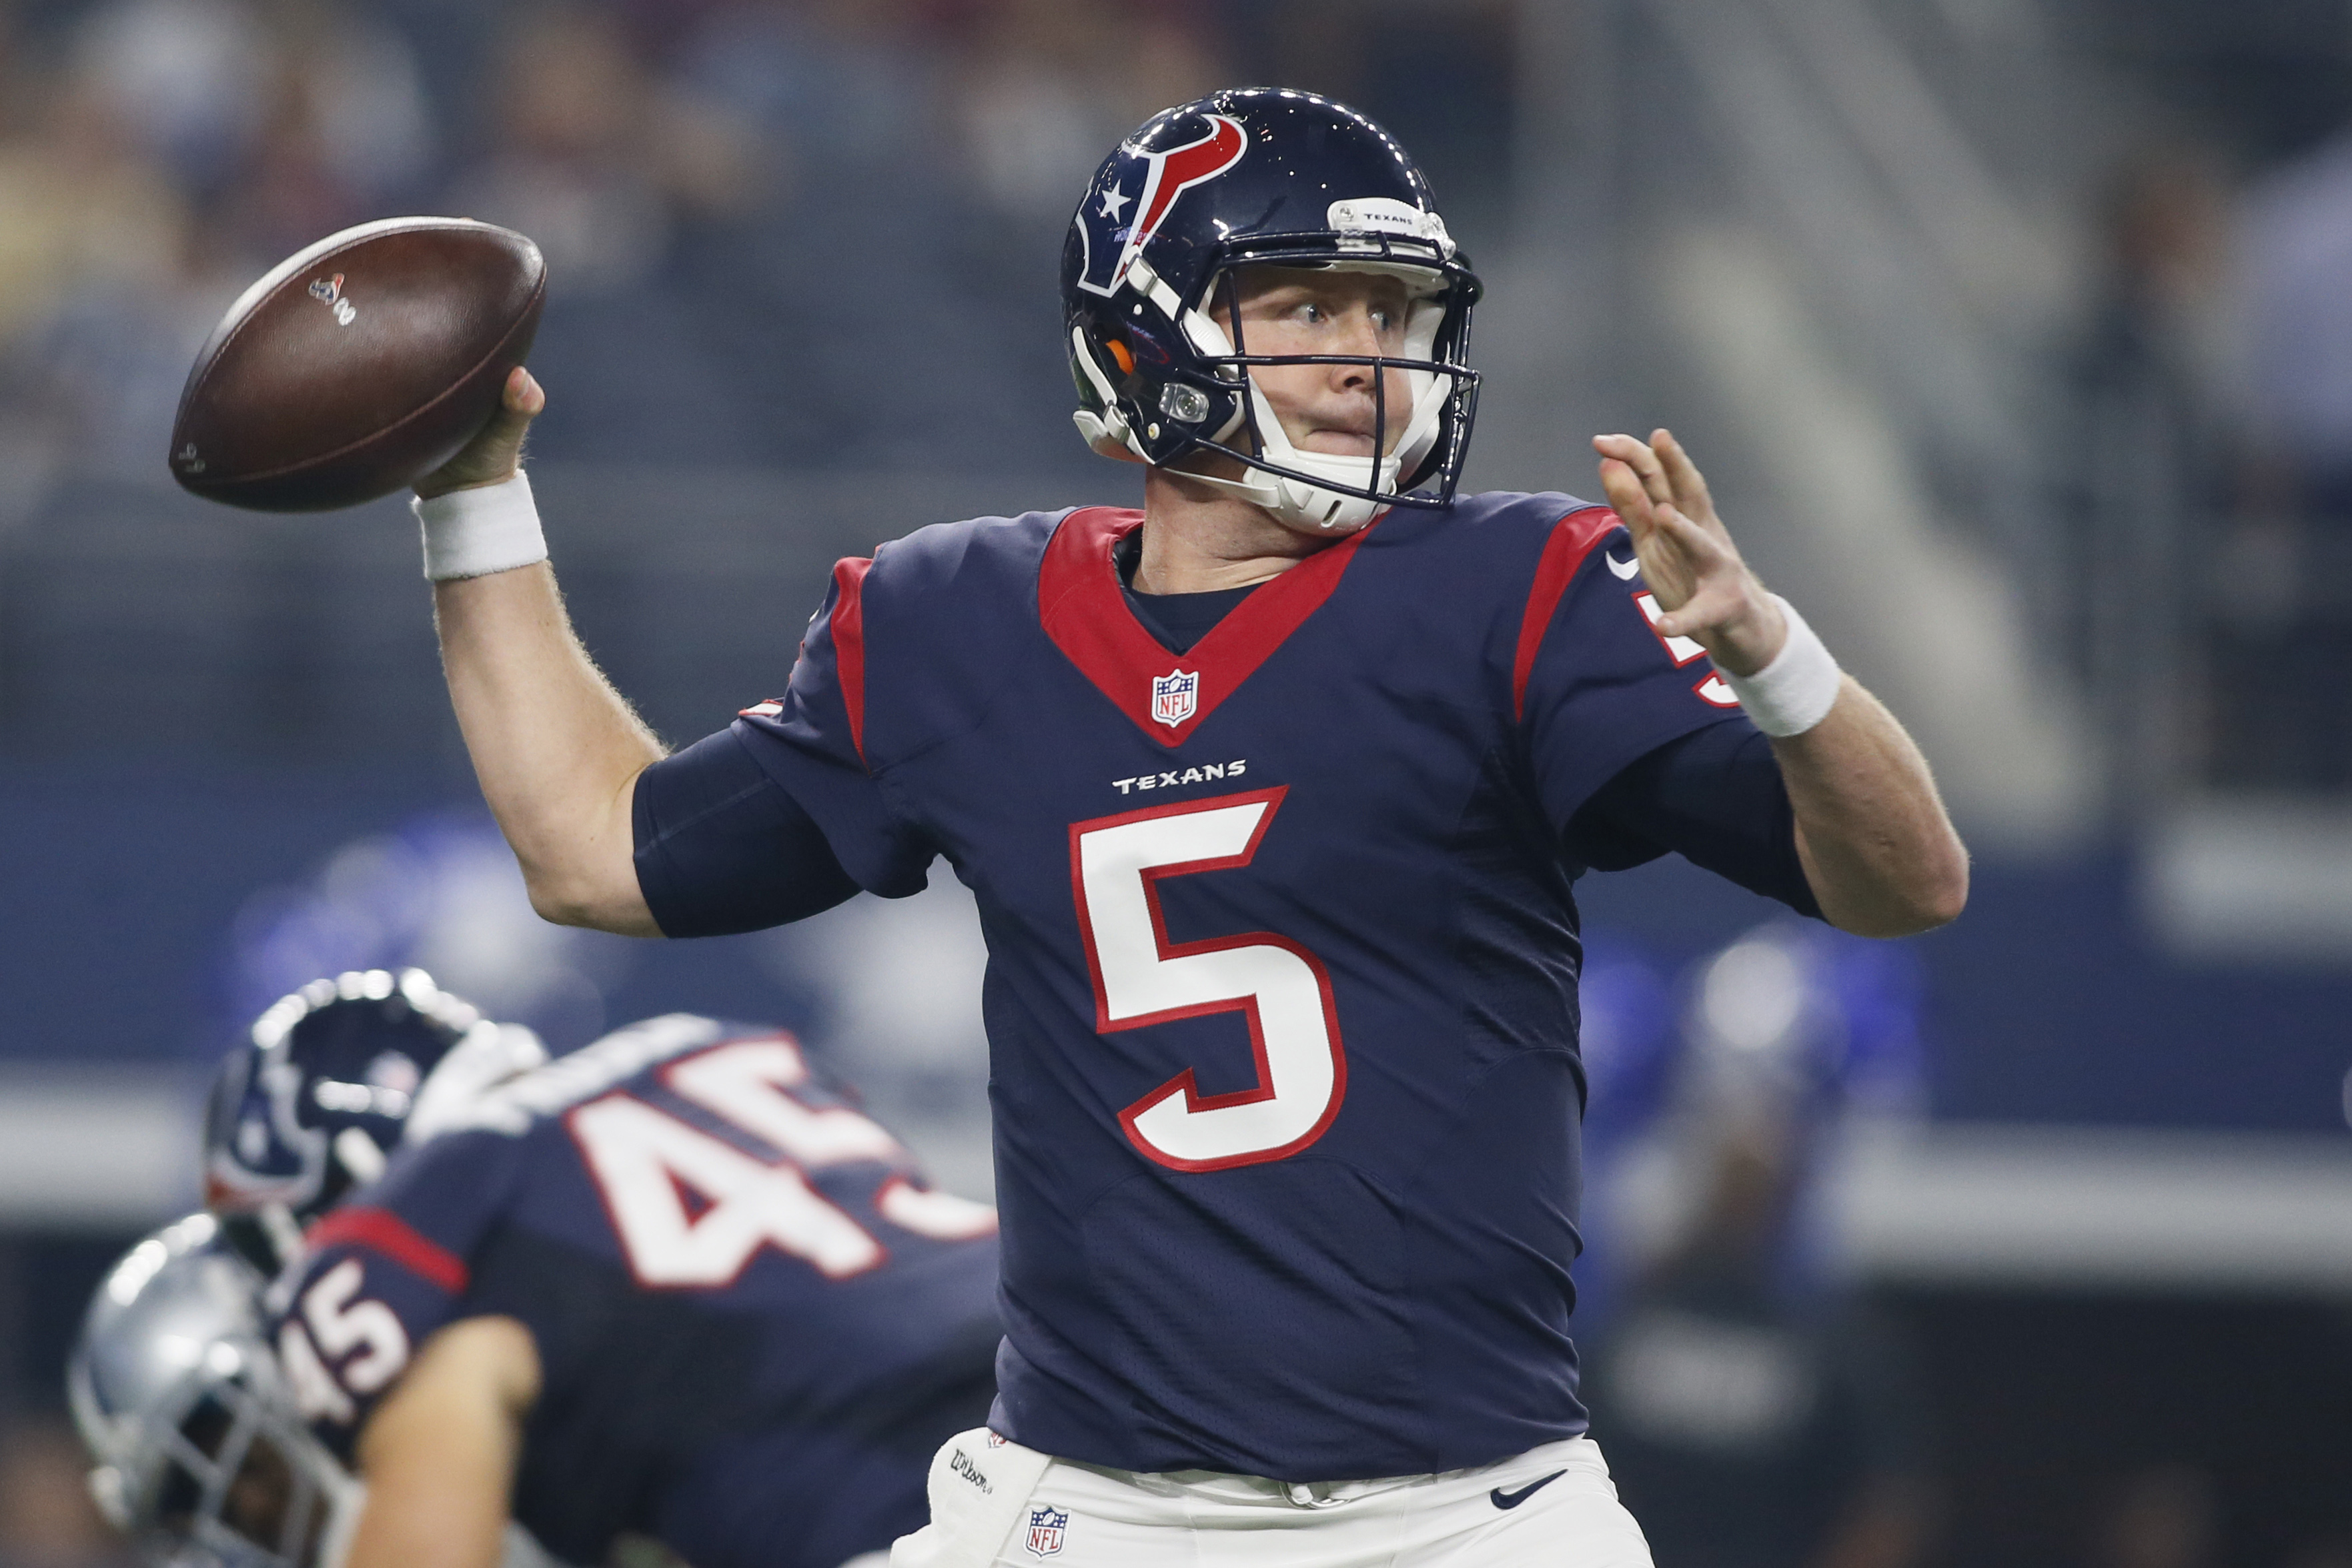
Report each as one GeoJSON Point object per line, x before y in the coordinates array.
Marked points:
{"type": "Point", "coordinates": [358, 366]}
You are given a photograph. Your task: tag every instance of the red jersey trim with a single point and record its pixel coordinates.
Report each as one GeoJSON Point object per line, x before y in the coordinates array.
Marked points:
{"type": "Point", "coordinates": [848, 628]}
{"type": "Point", "coordinates": [1082, 609]}
{"type": "Point", "coordinates": [380, 1231]}
{"type": "Point", "coordinates": [1572, 540]}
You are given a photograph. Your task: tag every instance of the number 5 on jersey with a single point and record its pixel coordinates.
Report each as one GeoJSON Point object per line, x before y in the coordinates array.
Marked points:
{"type": "Point", "coordinates": [1140, 977]}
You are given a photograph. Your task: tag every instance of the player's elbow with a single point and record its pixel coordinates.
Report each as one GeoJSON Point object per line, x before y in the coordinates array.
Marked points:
{"type": "Point", "coordinates": [597, 904]}
{"type": "Point", "coordinates": [1926, 898]}
{"type": "Point", "coordinates": [1940, 891]}
{"type": "Point", "coordinates": [1924, 914]}
{"type": "Point", "coordinates": [1949, 897]}
{"type": "Point", "coordinates": [561, 904]}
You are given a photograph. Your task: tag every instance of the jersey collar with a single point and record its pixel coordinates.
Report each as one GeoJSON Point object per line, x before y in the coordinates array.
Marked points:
{"type": "Point", "coordinates": [1082, 609]}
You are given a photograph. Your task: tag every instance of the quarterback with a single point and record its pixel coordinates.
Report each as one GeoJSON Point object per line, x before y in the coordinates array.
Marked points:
{"type": "Point", "coordinates": [1282, 988]}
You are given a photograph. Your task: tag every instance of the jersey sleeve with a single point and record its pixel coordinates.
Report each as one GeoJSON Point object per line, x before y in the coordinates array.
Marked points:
{"type": "Point", "coordinates": [1715, 797]}
{"type": "Point", "coordinates": [722, 847]}
{"type": "Point", "coordinates": [1593, 686]}
{"type": "Point", "coordinates": [812, 741]}
{"type": "Point", "coordinates": [381, 1273]}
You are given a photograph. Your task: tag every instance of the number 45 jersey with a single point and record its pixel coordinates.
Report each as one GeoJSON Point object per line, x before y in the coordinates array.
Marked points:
{"type": "Point", "coordinates": [754, 1321]}
{"type": "Point", "coordinates": [1283, 956]}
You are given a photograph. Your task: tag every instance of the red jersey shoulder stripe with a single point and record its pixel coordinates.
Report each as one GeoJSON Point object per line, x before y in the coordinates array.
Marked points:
{"type": "Point", "coordinates": [382, 1231]}
{"type": "Point", "coordinates": [848, 628]}
{"type": "Point", "coordinates": [1572, 540]}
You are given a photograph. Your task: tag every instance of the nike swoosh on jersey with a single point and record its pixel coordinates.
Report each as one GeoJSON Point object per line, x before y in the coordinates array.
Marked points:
{"type": "Point", "coordinates": [1513, 1499]}
{"type": "Point", "coordinates": [1631, 568]}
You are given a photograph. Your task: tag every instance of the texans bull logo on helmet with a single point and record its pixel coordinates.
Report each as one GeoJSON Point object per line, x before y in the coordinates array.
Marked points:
{"type": "Point", "coordinates": [1149, 184]}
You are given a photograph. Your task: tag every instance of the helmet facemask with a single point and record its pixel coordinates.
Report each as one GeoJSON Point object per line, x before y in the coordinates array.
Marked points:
{"type": "Point", "coordinates": [1332, 491]}
{"type": "Point", "coordinates": [241, 1484]}
{"type": "Point", "coordinates": [1221, 409]}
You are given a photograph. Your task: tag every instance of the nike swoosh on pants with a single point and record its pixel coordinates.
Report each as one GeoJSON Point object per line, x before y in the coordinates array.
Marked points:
{"type": "Point", "coordinates": [1513, 1499]}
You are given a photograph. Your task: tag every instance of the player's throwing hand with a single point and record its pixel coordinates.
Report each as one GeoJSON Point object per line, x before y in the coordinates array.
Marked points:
{"type": "Point", "coordinates": [1687, 557]}
{"type": "Point", "coordinates": [495, 454]}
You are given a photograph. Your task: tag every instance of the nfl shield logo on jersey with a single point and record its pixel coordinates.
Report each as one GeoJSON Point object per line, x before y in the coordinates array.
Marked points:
{"type": "Point", "coordinates": [1046, 1527]}
{"type": "Point", "coordinates": [1175, 695]}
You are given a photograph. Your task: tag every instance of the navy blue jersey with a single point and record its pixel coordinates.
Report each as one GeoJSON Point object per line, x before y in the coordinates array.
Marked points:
{"type": "Point", "coordinates": [1283, 956]}
{"type": "Point", "coordinates": [754, 1321]}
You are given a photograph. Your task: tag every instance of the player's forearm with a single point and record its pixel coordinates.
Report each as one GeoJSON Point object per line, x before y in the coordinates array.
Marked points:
{"type": "Point", "coordinates": [556, 749]}
{"type": "Point", "coordinates": [398, 1530]}
{"type": "Point", "coordinates": [439, 1455]}
{"type": "Point", "coordinates": [1878, 848]}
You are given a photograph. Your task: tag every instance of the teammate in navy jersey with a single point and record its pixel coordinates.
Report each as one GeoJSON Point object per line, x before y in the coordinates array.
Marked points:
{"type": "Point", "coordinates": [670, 1287]}
{"type": "Point", "coordinates": [1271, 795]}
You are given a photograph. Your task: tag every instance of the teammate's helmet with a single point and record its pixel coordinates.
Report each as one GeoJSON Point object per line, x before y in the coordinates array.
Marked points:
{"type": "Point", "coordinates": [202, 1454]}
{"type": "Point", "coordinates": [322, 1089]}
{"type": "Point", "coordinates": [1261, 176]}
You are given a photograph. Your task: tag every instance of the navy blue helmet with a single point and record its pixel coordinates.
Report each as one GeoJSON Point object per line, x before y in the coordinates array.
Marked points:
{"type": "Point", "coordinates": [324, 1087]}
{"type": "Point", "coordinates": [1268, 176]}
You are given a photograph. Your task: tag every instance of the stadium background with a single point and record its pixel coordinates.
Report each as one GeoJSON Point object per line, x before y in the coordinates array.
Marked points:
{"type": "Point", "coordinates": [2013, 333]}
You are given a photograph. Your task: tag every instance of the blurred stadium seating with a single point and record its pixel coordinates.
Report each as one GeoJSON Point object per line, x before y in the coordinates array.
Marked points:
{"type": "Point", "coordinates": [2008, 330]}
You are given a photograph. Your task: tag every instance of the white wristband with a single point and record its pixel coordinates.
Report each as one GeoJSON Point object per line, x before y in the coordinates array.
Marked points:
{"type": "Point", "coordinates": [1797, 689]}
{"type": "Point", "coordinates": [473, 533]}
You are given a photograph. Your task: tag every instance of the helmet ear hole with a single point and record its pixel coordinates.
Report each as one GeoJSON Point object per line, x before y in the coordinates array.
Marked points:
{"type": "Point", "coordinates": [1121, 353]}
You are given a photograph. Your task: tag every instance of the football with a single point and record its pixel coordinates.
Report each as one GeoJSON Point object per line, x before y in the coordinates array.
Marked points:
{"type": "Point", "coordinates": [359, 365]}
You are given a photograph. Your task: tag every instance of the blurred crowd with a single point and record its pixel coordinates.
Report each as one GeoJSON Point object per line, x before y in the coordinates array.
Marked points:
{"type": "Point", "coordinates": [819, 236]}
{"type": "Point", "coordinates": [2206, 470]}
{"type": "Point", "coordinates": [792, 234]}
{"type": "Point", "coordinates": [778, 233]}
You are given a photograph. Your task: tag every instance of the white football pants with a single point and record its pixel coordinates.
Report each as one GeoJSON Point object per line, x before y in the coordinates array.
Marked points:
{"type": "Point", "coordinates": [995, 1504]}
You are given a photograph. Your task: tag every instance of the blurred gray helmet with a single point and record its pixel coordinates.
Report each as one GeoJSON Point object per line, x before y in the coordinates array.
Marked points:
{"type": "Point", "coordinates": [203, 1458]}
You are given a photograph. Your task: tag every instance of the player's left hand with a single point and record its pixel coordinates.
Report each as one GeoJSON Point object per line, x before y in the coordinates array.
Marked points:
{"type": "Point", "coordinates": [1687, 557]}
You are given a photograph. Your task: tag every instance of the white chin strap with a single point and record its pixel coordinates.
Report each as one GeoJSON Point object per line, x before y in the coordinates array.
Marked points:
{"type": "Point", "coordinates": [1296, 501]}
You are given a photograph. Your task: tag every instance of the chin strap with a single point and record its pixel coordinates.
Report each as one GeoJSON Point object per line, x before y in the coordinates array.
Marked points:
{"type": "Point", "coordinates": [1291, 500]}
{"type": "Point", "coordinates": [1309, 505]}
